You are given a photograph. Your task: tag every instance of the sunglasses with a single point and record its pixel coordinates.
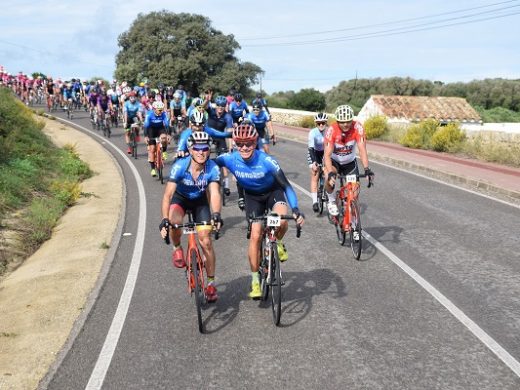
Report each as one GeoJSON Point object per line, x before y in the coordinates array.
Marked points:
{"type": "Point", "coordinates": [321, 123]}
{"type": "Point", "coordinates": [344, 123]}
{"type": "Point", "coordinates": [201, 148]}
{"type": "Point", "coordinates": [247, 144]}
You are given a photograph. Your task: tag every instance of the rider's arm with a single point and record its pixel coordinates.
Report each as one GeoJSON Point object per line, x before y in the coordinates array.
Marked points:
{"type": "Point", "coordinates": [146, 125]}
{"type": "Point", "coordinates": [329, 148]}
{"type": "Point", "coordinates": [215, 200]}
{"type": "Point", "coordinates": [289, 191]}
{"type": "Point", "coordinates": [216, 133]}
{"type": "Point", "coordinates": [362, 144]}
{"type": "Point", "coordinates": [169, 190]}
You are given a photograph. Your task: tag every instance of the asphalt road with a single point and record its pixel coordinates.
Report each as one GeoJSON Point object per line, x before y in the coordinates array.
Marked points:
{"type": "Point", "coordinates": [433, 303]}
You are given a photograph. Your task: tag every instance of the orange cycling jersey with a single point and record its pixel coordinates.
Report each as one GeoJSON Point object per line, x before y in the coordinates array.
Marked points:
{"type": "Point", "coordinates": [345, 142]}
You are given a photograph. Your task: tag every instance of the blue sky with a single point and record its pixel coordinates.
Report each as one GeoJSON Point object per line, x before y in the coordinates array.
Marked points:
{"type": "Point", "coordinates": [299, 44]}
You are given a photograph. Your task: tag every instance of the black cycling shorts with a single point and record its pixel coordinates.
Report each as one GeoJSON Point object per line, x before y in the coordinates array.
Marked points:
{"type": "Point", "coordinates": [258, 204]}
{"type": "Point", "coordinates": [346, 169]}
{"type": "Point", "coordinates": [199, 207]}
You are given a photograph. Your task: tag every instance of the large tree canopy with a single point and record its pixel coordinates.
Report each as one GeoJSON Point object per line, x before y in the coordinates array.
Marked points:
{"type": "Point", "coordinates": [164, 47]}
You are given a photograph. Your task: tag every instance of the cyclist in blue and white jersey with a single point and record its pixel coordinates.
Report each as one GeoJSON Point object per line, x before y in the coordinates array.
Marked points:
{"type": "Point", "coordinates": [131, 110]}
{"type": "Point", "coordinates": [315, 154]}
{"type": "Point", "coordinates": [221, 120]}
{"type": "Point", "coordinates": [156, 125]}
{"type": "Point", "coordinates": [266, 188]}
{"type": "Point", "coordinates": [177, 109]}
{"type": "Point", "coordinates": [198, 104]}
{"type": "Point", "coordinates": [238, 108]}
{"type": "Point", "coordinates": [193, 180]}
{"type": "Point", "coordinates": [262, 120]}
{"type": "Point", "coordinates": [197, 123]}
{"type": "Point", "coordinates": [260, 101]}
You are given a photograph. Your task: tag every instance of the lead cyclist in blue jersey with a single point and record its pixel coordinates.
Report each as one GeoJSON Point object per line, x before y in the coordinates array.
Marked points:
{"type": "Point", "coordinates": [193, 180]}
{"type": "Point", "coordinates": [156, 125]}
{"type": "Point", "coordinates": [266, 188]}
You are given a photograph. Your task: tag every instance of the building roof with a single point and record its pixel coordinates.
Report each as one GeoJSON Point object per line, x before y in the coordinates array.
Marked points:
{"type": "Point", "coordinates": [417, 108]}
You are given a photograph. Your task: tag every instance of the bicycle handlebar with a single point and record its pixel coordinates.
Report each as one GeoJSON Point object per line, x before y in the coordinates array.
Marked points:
{"type": "Point", "coordinates": [287, 217]}
{"type": "Point", "coordinates": [188, 225]}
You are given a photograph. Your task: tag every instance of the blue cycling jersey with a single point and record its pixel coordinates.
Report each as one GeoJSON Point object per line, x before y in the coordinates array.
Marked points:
{"type": "Point", "coordinates": [316, 139]}
{"type": "Point", "coordinates": [183, 139]}
{"type": "Point", "coordinates": [156, 121]}
{"type": "Point", "coordinates": [177, 105]}
{"type": "Point", "coordinates": [220, 123]}
{"type": "Point", "coordinates": [258, 174]}
{"type": "Point", "coordinates": [132, 108]}
{"type": "Point", "coordinates": [237, 110]}
{"type": "Point", "coordinates": [186, 185]}
{"type": "Point", "coordinates": [260, 121]}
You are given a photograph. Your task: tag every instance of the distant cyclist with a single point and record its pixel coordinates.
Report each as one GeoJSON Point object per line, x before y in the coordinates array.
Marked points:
{"type": "Point", "coordinates": [131, 112]}
{"type": "Point", "coordinates": [341, 141]}
{"type": "Point", "coordinates": [238, 108]}
{"type": "Point", "coordinates": [263, 125]}
{"type": "Point", "coordinates": [315, 154]}
{"type": "Point", "coordinates": [193, 180]}
{"type": "Point", "coordinates": [156, 125]}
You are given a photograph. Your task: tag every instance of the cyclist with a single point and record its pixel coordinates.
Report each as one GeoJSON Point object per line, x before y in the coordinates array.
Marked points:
{"type": "Point", "coordinates": [131, 111]}
{"type": "Point", "coordinates": [221, 120]}
{"type": "Point", "coordinates": [177, 109]}
{"type": "Point", "coordinates": [104, 105]}
{"type": "Point", "coordinates": [193, 180]}
{"type": "Point", "coordinates": [262, 120]}
{"type": "Point", "coordinates": [197, 123]}
{"type": "Point", "coordinates": [261, 101]}
{"type": "Point", "coordinates": [198, 104]}
{"type": "Point", "coordinates": [237, 108]}
{"type": "Point", "coordinates": [341, 141]}
{"type": "Point", "coordinates": [156, 124]}
{"type": "Point", "coordinates": [315, 154]}
{"type": "Point", "coordinates": [266, 188]}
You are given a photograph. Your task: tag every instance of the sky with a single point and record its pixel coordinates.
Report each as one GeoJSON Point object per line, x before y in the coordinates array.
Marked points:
{"type": "Point", "coordinates": [298, 43]}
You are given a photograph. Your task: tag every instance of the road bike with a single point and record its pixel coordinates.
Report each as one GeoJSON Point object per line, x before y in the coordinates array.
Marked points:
{"type": "Point", "coordinates": [270, 270]}
{"type": "Point", "coordinates": [195, 264]}
{"type": "Point", "coordinates": [159, 162]}
{"type": "Point", "coordinates": [69, 109]}
{"type": "Point", "coordinates": [322, 195]}
{"type": "Point", "coordinates": [132, 135]}
{"type": "Point", "coordinates": [178, 127]}
{"type": "Point", "coordinates": [348, 221]}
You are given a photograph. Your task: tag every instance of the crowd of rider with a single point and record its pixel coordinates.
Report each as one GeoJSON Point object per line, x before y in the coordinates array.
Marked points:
{"type": "Point", "coordinates": [242, 137]}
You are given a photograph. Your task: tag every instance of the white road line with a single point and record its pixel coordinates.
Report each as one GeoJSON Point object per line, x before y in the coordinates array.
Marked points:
{"type": "Point", "coordinates": [486, 339]}
{"type": "Point", "coordinates": [107, 352]}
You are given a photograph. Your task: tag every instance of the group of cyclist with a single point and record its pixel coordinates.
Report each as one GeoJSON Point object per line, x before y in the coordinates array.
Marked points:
{"type": "Point", "coordinates": [241, 139]}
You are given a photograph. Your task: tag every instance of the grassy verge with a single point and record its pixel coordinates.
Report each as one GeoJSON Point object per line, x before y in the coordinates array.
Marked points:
{"type": "Point", "coordinates": [38, 181]}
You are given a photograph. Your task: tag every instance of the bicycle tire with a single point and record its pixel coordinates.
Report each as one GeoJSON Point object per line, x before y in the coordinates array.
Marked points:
{"type": "Point", "coordinates": [197, 290]}
{"type": "Point", "coordinates": [338, 224]}
{"type": "Point", "coordinates": [355, 229]}
{"type": "Point", "coordinates": [222, 194]}
{"type": "Point", "coordinates": [159, 163]}
{"type": "Point", "coordinates": [264, 286]}
{"type": "Point", "coordinates": [321, 191]}
{"type": "Point", "coordinates": [276, 285]}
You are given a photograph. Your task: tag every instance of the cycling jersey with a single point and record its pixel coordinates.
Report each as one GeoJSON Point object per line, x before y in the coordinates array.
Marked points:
{"type": "Point", "coordinates": [186, 186]}
{"type": "Point", "coordinates": [237, 110]}
{"type": "Point", "coordinates": [103, 102]}
{"type": "Point", "coordinates": [345, 143]}
{"type": "Point", "coordinates": [177, 105]}
{"type": "Point", "coordinates": [260, 121]}
{"type": "Point", "coordinates": [222, 122]}
{"type": "Point", "coordinates": [132, 108]}
{"type": "Point", "coordinates": [258, 175]}
{"type": "Point", "coordinates": [155, 122]}
{"type": "Point", "coordinates": [183, 139]}
{"type": "Point", "coordinates": [316, 139]}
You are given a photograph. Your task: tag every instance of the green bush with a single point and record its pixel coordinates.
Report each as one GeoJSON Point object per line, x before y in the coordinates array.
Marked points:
{"type": "Point", "coordinates": [375, 126]}
{"type": "Point", "coordinates": [418, 136]}
{"type": "Point", "coordinates": [447, 138]}
{"type": "Point", "coordinates": [498, 115]}
{"type": "Point", "coordinates": [307, 122]}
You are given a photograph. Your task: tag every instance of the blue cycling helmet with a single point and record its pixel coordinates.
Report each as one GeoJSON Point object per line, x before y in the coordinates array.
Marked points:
{"type": "Point", "coordinates": [221, 101]}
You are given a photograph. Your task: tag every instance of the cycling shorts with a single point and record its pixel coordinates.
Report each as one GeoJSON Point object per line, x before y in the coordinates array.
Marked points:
{"type": "Point", "coordinates": [199, 208]}
{"type": "Point", "coordinates": [319, 158]}
{"type": "Point", "coordinates": [346, 169]}
{"type": "Point", "coordinates": [258, 204]}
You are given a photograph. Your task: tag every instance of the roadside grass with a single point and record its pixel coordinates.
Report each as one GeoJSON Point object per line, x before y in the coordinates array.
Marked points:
{"type": "Point", "coordinates": [38, 181]}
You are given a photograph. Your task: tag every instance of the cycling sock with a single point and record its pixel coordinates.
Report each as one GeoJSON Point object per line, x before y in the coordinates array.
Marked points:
{"type": "Point", "coordinates": [211, 280]}
{"type": "Point", "coordinates": [255, 277]}
{"type": "Point", "coordinates": [331, 197]}
{"type": "Point", "coordinates": [314, 196]}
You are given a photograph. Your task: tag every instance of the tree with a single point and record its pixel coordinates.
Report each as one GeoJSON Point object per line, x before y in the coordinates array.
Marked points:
{"type": "Point", "coordinates": [164, 47]}
{"type": "Point", "coordinates": [308, 99]}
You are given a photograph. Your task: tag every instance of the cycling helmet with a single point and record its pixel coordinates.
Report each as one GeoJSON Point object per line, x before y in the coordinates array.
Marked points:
{"type": "Point", "coordinates": [198, 118]}
{"type": "Point", "coordinates": [199, 138]}
{"type": "Point", "coordinates": [245, 132]}
{"type": "Point", "coordinates": [321, 117]}
{"type": "Point", "coordinates": [127, 89]}
{"type": "Point", "coordinates": [177, 95]}
{"type": "Point", "coordinates": [344, 113]}
{"type": "Point", "coordinates": [158, 107]}
{"type": "Point", "coordinates": [221, 101]}
{"type": "Point", "coordinates": [197, 102]}
{"type": "Point", "coordinates": [131, 94]}
{"type": "Point", "coordinates": [257, 107]}
{"type": "Point", "coordinates": [238, 97]}
{"type": "Point", "coordinates": [141, 84]}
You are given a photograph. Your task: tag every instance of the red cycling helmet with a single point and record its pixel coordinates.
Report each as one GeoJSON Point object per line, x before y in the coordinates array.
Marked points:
{"type": "Point", "coordinates": [245, 132]}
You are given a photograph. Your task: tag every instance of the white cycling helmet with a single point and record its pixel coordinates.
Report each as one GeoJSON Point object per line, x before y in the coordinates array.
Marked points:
{"type": "Point", "coordinates": [321, 117]}
{"type": "Point", "coordinates": [199, 138]}
{"type": "Point", "coordinates": [177, 95]}
{"type": "Point", "coordinates": [344, 113]}
{"type": "Point", "coordinates": [158, 106]}
{"type": "Point", "coordinates": [126, 89]}
{"type": "Point", "coordinates": [198, 118]}
{"type": "Point", "coordinates": [110, 92]}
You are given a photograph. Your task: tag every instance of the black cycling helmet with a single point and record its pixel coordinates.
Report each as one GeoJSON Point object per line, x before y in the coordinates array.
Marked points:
{"type": "Point", "coordinates": [238, 97]}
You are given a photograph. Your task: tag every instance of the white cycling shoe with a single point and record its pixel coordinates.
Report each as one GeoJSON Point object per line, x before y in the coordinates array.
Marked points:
{"type": "Point", "coordinates": [333, 209]}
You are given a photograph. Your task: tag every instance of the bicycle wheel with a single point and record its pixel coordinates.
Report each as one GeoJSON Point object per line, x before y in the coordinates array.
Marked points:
{"type": "Point", "coordinates": [338, 224]}
{"type": "Point", "coordinates": [222, 194]}
{"type": "Point", "coordinates": [197, 290]}
{"type": "Point", "coordinates": [276, 285]}
{"type": "Point", "coordinates": [321, 192]}
{"type": "Point", "coordinates": [159, 163]}
{"type": "Point", "coordinates": [264, 286]}
{"type": "Point", "coordinates": [356, 239]}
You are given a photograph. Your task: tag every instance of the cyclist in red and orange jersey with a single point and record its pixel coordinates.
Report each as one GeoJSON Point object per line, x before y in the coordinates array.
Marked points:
{"type": "Point", "coordinates": [341, 141]}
